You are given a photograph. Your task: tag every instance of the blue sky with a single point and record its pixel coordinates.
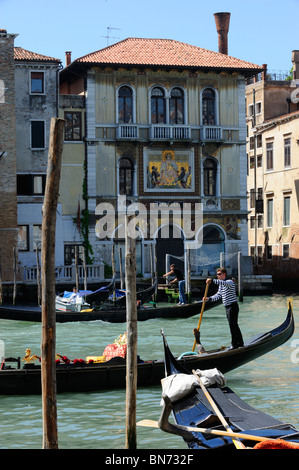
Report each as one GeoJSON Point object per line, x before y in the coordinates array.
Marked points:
{"type": "Point", "coordinates": [261, 31]}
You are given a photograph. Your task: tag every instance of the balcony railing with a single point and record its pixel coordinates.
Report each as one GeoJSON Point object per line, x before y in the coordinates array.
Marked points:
{"type": "Point", "coordinates": [162, 132]}
{"type": "Point", "coordinates": [127, 131]}
{"type": "Point", "coordinates": [211, 133]}
{"type": "Point", "coordinates": [167, 132]}
{"type": "Point", "coordinates": [65, 274]}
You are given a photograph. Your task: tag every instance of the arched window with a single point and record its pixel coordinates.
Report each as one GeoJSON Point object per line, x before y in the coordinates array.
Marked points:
{"type": "Point", "coordinates": [209, 177]}
{"type": "Point", "coordinates": [125, 177]}
{"type": "Point", "coordinates": [158, 108]}
{"type": "Point", "coordinates": [176, 106]}
{"type": "Point", "coordinates": [125, 105]}
{"type": "Point", "coordinates": [208, 107]}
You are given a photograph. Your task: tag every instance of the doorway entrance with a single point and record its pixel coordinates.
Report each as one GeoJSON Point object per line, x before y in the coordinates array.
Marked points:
{"type": "Point", "coordinates": [171, 245]}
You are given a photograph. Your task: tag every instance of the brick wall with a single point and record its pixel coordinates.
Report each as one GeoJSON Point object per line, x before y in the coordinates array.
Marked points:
{"type": "Point", "coordinates": [8, 196]}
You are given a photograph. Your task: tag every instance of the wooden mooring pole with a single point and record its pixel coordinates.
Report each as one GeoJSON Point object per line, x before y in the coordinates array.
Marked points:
{"type": "Point", "coordinates": [48, 343]}
{"type": "Point", "coordinates": [131, 364]}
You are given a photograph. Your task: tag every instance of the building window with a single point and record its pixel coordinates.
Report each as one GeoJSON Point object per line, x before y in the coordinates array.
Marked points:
{"type": "Point", "coordinates": [287, 152]}
{"type": "Point", "coordinates": [285, 251]}
{"type": "Point", "coordinates": [37, 236]}
{"type": "Point", "coordinates": [260, 221]}
{"type": "Point", "coordinates": [258, 108]}
{"type": "Point", "coordinates": [286, 210]}
{"type": "Point", "coordinates": [37, 82]}
{"type": "Point", "coordinates": [259, 141]}
{"type": "Point", "coordinates": [252, 221]}
{"type": "Point", "coordinates": [125, 177]}
{"type": "Point", "coordinates": [73, 125]}
{"type": "Point", "coordinates": [23, 238]}
{"type": "Point", "coordinates": [269, 212]}
{"type": "Point", "coordinates": [269, 149]}
{"type": "Point", "coordinates": [209, 177]}
{"type": "Point", "coordinates": [176, 106]}
{"type": "Point", "coordinates": [251, 143]}
{"type": "Point", "coordinates": [70, 256]}
{"type": "Point", "coordinates": [158, 106]}
{"type": "Point", "coordinates": [269, 252]}
{"type": "Point", "coordinates": [29, 185]}
{"type": "Point", "coordinates": [125, 105]}
{"type": "Point", "coordinates": [37, 134]}
{"type": "Point", "coordinates": [259, 161]}
{"type": "Point", "coordinates": [252, 198]}
{"type": "Point", "coordinates": [208, 107]}
{"type": "Point", "coordinates": [259, 255]}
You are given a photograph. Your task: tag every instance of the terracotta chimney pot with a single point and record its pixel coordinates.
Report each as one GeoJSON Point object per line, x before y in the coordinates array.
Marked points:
{"type": "Point", "coordinates": [222, 26]}
{"type": "Point", "coordinates": [68, 58]}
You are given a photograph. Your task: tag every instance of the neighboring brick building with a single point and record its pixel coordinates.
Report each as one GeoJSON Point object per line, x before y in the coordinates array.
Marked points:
{"type": "Point", "coordinates": [28, 101]}
{"type": "Point", "coordinates": [8, 194]}
{"type": "Point", "coordinates": [36, 84]}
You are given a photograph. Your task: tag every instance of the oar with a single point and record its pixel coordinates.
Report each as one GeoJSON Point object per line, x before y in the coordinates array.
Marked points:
{"type": "Point", "coordinates": [236, 441]}
{"type": "Point", "coordinates": [201, 313]}
{"type": "Point", "coordinates": [154, 424]}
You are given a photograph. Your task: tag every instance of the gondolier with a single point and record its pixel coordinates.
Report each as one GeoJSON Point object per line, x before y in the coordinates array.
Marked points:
{"type": "Point", "coordinates": [227, 292]}
{"type": "Point", "coordinates": [181, 281]}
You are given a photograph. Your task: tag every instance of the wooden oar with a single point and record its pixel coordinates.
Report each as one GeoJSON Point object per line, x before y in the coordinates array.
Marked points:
{"type": "Point", "coordinates": [236, 441]}
{"type": "Point", "coordinates": [154, 424]}
{"type": "Point", "coordinates": [201, 313]}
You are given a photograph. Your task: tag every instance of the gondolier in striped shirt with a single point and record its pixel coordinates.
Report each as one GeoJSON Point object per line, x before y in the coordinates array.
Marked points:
{"type": "Point", "coordinates": [227, 292]}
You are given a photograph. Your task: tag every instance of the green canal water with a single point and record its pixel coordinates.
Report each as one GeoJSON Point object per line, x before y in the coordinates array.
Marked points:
{"type": "Point", "coordinates": [97, 420]}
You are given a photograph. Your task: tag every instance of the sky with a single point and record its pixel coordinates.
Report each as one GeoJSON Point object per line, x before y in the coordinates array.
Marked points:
{"type": "Point", "coordinates": [261, 31]}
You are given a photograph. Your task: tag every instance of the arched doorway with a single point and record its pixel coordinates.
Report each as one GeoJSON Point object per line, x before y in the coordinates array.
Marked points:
{"type": "Point", "coordinates": [208, 255]}
{"type": "Point", "coordinates": [173, 244]}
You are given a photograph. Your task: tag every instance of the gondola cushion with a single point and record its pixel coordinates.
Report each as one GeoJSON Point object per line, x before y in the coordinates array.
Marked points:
{"type": "Point", "coordinates": [115, 350]}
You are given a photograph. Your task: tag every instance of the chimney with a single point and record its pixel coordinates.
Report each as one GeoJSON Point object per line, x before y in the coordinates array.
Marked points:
{"type": "Point", "coordinates": [295, 60]}
{"type": "Point", "coordinates": [68, 58]}
{"type": "Point", "coordinates": [222, 26]}
{"type": "Point", "coordinates": [264, 72]}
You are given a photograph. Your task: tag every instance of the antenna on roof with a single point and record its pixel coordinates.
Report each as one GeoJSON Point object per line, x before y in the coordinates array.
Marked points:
{"type": "Point", "coordinates": [108, 35]}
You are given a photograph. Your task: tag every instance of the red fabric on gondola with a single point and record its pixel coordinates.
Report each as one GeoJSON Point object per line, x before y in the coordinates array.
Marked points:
{"type": "Point", "coordinates": [115, 350]}
{"type": "Point", "coordinates": [276, 444]}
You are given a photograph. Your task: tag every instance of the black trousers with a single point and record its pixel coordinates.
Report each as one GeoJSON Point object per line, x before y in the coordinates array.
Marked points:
{"type": "Point", "coordinates": [232, 312]}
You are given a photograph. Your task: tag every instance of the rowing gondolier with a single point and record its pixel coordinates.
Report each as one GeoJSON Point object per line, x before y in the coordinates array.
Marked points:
{"type": "Point", "coordinates": [227, 292]}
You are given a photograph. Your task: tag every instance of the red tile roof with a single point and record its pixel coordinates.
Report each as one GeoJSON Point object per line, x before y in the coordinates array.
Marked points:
{"type": "Point", "coordinates": [163, 52]}
{"type": "Point", "coordinates": [22, 54]}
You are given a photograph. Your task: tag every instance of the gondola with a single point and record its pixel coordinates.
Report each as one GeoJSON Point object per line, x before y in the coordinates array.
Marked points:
{"type": "Point", "coordinates": [112, 312]}
{"type": "Point", "coordinates": [87, 297]}
{"type": "Point", "coordinates": [107, 297]}
{"type": "Point", "coordinates": [112, 315]}
{"type": "Point", "coordinates": [119, 302]}
{"type": "Point", "coordinates": [218, 412]}
{"type": "Point", "coordinates": [85, 377]}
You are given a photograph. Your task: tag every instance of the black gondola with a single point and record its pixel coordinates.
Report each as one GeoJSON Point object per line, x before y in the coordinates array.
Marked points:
{"type": "Point", "coordinates": [112, 374]}
{"type": "Point", "coordinates": [88, 298]}
{"type": "Point", "coordinates": [194, 410]}
{"type": "Point", "coordinates": [117, 315]}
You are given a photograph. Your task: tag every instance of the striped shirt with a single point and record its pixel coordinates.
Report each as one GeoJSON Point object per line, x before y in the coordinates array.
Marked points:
{"type": "Point", "coordinates": [226, 291]}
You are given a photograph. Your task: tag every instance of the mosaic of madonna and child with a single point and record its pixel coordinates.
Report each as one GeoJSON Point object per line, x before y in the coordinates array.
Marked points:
{"type": "Point", "coordinates": [168, 170]}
